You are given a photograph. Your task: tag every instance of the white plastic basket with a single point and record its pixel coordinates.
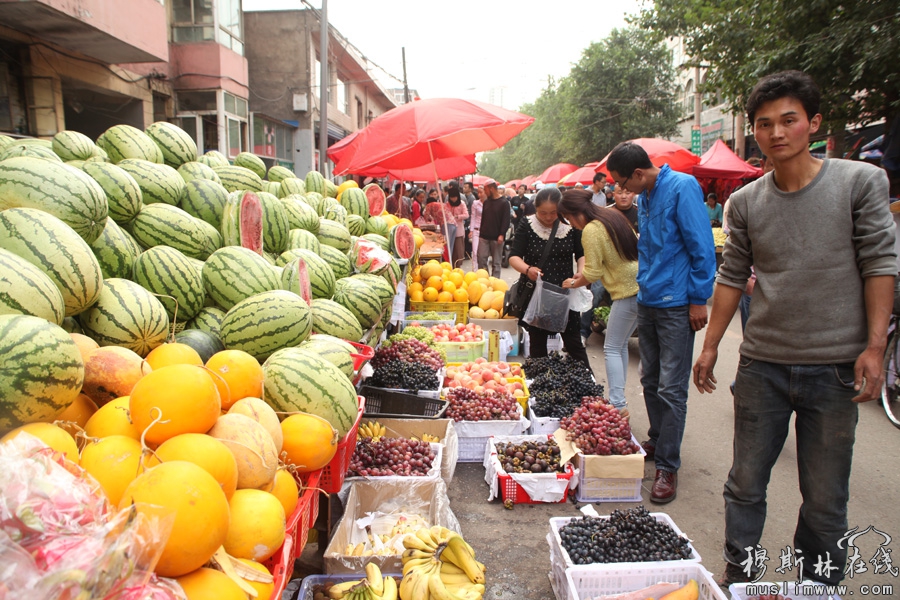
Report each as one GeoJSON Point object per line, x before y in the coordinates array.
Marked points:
{"type": "Point", "coordinates": [585, 583]}
{"type": "Point", "coordinates": [473, 435]}
{"type": "Point", "coordinates": [541, 425]}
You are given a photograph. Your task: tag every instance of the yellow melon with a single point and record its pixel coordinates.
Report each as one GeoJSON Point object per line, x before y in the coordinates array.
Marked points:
{"type": "Point", "coordinates": [257, 525]}
{"type": "Point", "coordinates": [309, 440]}
{"type": "Point", "coordinates": [252, 447]}
{"type": "Point", "coordinates": [173, 354]}
{"type": "Point", "coordinates": [82, 409]}
{"type": "Point", "coordinates": [263, 590]}
{"type": "Point", "coordinates": [482, 274]}
{"type": "Point", "coordinates": [114, 461]}
{"type": "Point", "coordinates": [475, 312]}
{"type": "Point", "coordinates": [206, 452]}
{"type": "Point", "coordinates": [497, 301]}
{"type": "Point", "coordinates": [286, 490]}
{"type": "Point", "coordinates": [449, 286]}
{"type": "Point", "coordinates": [435, 281]}
{"type": "Point", "coordinates": [210, 584]}
{"type": "Point", "coordinates": [498, 285]}
{"type": "Point", "coordinates": [237, 374]}
{"type": "Point", "coordinates": [486, 300]}
{"type": "Point", "coordinates": [113, 418]}
{"type": "Point", "coordinates": [445, 297]}
{"type": "Point", "coordinates": [199, 506]}
{"type": "Point", "coordinates": [461, 295]}
{"type": "Point", "coordinates": [431, 269]}
{"type": "Point", "coordinates": [491, 314]}
{"type": "Point", "coordinates": [418, 296]}
{"type": "Point", "coordinates": [475, 290]}
{"type": "Point", "coordinates": [55, 437]}
{"type": "Point", "coordinates": [430, 295]}
{"type": "Point", "coordinates": [470, 276]}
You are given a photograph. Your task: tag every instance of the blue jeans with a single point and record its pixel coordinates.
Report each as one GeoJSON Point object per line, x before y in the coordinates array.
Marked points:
{"type": "Point", "coordinates": [667, 344]}
{"type": "Point", "coordinates": [621, 324]}
{"type": "Point", "coordinates": [587, 317]}
{"type": "Point", "coordinates": [765, 397]}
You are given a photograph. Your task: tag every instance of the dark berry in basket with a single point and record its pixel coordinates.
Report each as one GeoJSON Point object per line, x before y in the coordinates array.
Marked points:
{"type": "Point", "coordinates": [631, 535]}
{"type": "Point", "coordinates": [529, 457]}
{"type": "Point", "coordinates": [404, 375]}
{"type": "Point", "coordinates": [558, 385]}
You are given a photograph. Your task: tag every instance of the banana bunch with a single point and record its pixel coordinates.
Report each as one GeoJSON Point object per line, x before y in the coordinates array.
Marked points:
{"type": "Point", "coordinates": [371, 429]}
{"type": "Point", "coordinates": [438, 564]}
{"type": "Point", "coordinates": [372, 587]}
{"type": "Point", "coordinates": [407, 524]}
{"type": "Point", "coordinates": [427, 437]}
{"type": "Point", "coordinates": [368, 549]}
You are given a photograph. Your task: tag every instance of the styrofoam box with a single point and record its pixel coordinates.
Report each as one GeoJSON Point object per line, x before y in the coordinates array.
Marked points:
{"type": "Point", "coordinates": [585, 583]}
{"type": "Point", "coordinates": [541, 425]}
{"type": "Point", "coordinates": [560, 561]}
{"type": "Point", "coordinates": [473, 435]}
{"type": "Point", "coordinates": [739, 591]}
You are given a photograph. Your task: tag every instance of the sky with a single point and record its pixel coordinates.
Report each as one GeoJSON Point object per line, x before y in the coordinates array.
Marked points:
{"type": "Point", "coordinates": [497, 51]}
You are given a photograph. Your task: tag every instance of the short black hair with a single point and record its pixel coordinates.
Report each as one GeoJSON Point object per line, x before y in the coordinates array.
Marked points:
{"type": "Point", "coordinates": [548, 194]}
{"type": "Point", "coordinates": [712, 195]}
{"type": "Point", "coordinates": [397, 185]}
{"type": "Point", "coordinates": [626, 157]}
{"type": "Point", "coordinates": [599, 177]}
{"type": "Point", "coordinates": [785, 84]}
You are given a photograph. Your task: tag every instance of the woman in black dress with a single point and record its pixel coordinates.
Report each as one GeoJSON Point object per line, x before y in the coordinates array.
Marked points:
{"type": "Point", "coordinates": [528, 246]}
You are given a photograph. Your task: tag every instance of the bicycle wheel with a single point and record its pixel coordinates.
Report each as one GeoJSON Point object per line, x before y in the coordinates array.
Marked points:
{"type": "Point", "coordinates": [890, 390]}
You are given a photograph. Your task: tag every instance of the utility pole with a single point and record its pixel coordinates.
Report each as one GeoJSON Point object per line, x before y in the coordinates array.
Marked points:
{"type": "Point", "coordinates": [406, 97]}
{"type": "Point", "coordinates": [323, 90]}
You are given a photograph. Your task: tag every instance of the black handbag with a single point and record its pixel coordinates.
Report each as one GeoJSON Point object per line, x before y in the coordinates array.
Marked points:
{"type": "Point", "coordinates": [519, 294]}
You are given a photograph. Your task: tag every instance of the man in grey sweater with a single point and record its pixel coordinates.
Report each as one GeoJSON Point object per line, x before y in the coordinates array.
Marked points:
{"type": "Point", "coordinates": [820, 237]}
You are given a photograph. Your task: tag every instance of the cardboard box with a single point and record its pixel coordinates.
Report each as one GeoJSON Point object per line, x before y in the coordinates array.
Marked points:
{"type": "Point", "coordinates": [510, 324]}
{"type": "Point", "coordinates": [442, 428]}
{"type": "Point", "coordinates": [424, 497]}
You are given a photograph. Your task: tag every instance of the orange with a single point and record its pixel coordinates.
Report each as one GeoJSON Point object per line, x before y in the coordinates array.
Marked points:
{"type": "Point", "coordinates": [447, 266]}
{"type": "Point", "coordinates": [417, 276]}
{"type": "Point", "coordinates": [456, 277]}
{"type": "Point", "coordinates": [418, 296]}
{"type": "Point", "coordinates": [309, 441]}
{"type": "Point", "coordinates": [173, 354]}
{"type": "Point", "coordinates": [449, 286]}
{"type": "Point", "coordinates": [445, 297]}
{"type": "Point", "coordinates": [460, 295]}
{"type": "Point", "coordinates": [237, 375]}
{"type": "Point", "coordinates": [430, 294]}
{"type": "Point", "coordinates": [415, 287]}
{"type": "Point", "coordinates": [435, 281]}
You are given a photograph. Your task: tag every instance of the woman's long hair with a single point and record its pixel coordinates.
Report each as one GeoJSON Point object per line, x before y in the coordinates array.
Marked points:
{"type": "Point", "coordinates": [580, 203]}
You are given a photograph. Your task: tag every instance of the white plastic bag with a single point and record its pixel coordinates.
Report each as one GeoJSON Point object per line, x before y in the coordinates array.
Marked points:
{"type": "Point", "coordinates": [581, 299]}
{"type": "Point", "coordinates": [549, 307]}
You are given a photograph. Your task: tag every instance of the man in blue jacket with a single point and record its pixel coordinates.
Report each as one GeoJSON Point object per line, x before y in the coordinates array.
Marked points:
{"type": "Point", "coordinates": [676, 266]}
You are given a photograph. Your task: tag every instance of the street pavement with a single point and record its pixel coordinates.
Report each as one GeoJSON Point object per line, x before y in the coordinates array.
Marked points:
{"type": "Point", "coordinates": [513, 546]}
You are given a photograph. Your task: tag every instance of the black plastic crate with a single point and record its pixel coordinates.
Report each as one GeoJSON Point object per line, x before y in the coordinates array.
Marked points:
{"type": "Point", "coordinates": [400, 405]}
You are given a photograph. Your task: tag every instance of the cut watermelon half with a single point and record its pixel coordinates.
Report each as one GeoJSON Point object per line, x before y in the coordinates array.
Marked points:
{"type": "Point", "coordinates": [252, 223]}
{"type": "Point", "coordinates": [368, 257]}
{"type": "Point", "coordinates": [303, 281]}
{"type": "Point", "coordinates": [376, 198]}
{"type": "Point", "coordinates": [402, 240]}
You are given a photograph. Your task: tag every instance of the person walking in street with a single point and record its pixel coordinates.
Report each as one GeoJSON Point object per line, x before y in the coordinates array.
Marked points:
{"type": "Point", "coordinates": [460, 215]}
{"type": "Point", "coordinates": [475, 226]}
{"type": "Point", "coordinates": [677, 264]}
{"type": "Point", "coordinates": [397, 203]}
{"type": "Point", "coordinates": [611, 256]}
{"type": "Point", "coordinates": [527, 249]}
{"type": "Point", "coordinates": [495, 216]}
{"type": "Point", "coordinates": [820, 238]}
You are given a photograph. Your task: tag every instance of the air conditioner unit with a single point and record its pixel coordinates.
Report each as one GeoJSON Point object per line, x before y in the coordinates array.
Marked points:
{"type": "Point", "coordinates": [301, 102]}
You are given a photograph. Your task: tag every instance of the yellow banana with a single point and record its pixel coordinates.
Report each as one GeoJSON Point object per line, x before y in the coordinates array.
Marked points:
{"type": "Point", "coordinates": [340, 590]}
{"type": "Point", "coordinates": [358, 550]}
{"type": "Point", "coordinates": [438, 590]}
{"type": "Point", "coordinates": [450, 567]}
{"type": "Point", "coordinates": [465, 559]}
{"type": "Point", "coordinates": [463, 588]}
{"type": "Point", "coordinates": [389, 590]}
{"type": "Point", "coordinates": [424, 534]}
{"type": "Point", "coordinates": [454, 578]}
{"type": "Point", "coordinates": [411, 540]}
{"type": "Point", "coordinates": [411, 553]}
{"type": "Point", "coordinates": [417, 564]}
{"type": "Point", "coordinates": [374, 577]}
{"type": "Point", "coordinates": [414, 585]}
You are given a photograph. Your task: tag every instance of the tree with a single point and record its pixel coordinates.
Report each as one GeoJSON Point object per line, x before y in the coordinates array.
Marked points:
{"type": "Point", "coordinates": [847, 47]}
{"type": "Point", "coordinates": [620, 89]}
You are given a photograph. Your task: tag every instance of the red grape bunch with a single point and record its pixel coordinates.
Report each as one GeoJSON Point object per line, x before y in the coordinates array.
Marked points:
{"type": "Point", "coordinates": [597, 427]}
{"type": "Point", "coordinates": [489, 405]}
{"type": "Point", "coordinates": [391, 456]}
{"type": "Point", "coordinates": [408, 350]}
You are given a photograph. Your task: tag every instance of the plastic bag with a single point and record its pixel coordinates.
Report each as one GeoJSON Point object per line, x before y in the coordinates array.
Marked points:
{"type": "Point", "coordinates": [581, 299]}
{"type": "Point", "coordinates": [549, 307]}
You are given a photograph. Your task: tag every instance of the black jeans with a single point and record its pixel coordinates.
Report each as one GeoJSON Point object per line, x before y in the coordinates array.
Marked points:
{"type": "Point", "coordinates": [571, 338]}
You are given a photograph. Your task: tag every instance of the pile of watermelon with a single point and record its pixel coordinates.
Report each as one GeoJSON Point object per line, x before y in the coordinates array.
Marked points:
{"type": "Point", "coordinates": [133, 239]}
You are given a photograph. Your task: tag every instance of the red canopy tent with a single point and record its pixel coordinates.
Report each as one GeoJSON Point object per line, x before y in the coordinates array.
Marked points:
{"type": "Point", "coordinates": [719, 162]}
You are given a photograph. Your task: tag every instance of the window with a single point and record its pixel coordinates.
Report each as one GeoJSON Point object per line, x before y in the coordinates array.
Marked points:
{"type": "Point", "coordinates": [196, 101]}
{"type": "Point", "coordinates": [272, 139]}
{"type": "Point", "coordinates": [229, 31]}
{"type": "Point", "coordinates": [236, 106]}
{"type": "Point", "coordinates": [192, 20]}
{"type": "Point", "coordinates": [689, 98]}
{"type": "Point", "coordinates": [343, 96]}
{"type": "Point", "coordinates": [359, 114]}
{"type": "Point", "coordinates": [234, 138]}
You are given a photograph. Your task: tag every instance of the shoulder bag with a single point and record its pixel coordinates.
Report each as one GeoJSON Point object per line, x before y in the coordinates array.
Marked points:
{"type": "Point", "coordinates": [519, 294]}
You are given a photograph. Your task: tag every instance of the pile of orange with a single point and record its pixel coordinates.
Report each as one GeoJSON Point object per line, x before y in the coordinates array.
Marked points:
{"type": "Point", "coordinates": [438, 282]}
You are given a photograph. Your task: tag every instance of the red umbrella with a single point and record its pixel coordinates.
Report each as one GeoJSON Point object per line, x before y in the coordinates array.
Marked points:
{"type": "Point", "coordinates": [554, 173]}
{"type": "Point", "coordinates": [582, 176]}
{"type": "Point", "coordinates": [416, 133]}
{"type": "Point", "coordinates": [661, 152]}
{"type": "Point", "coordinates": [530, 179]}
{"type": "Point", "coordinates": [340, 148]}
{"type": "Point", "coordinates": [513, 183]}
{"type": "Point", "coordinates": [719, 162]}
{"type": "Point", "coordinates": [481, 180]}
{"type": "Point", "coordinates": [447, 168]}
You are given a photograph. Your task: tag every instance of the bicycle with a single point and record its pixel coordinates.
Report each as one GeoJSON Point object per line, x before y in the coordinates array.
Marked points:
{"type": "Point", "coordinates": [890, 390]}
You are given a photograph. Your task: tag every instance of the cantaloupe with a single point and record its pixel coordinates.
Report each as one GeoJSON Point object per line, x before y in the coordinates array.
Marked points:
{"type": "Point", "coordinates": [252, 447]}
{"type": "Point", "coordinates": [262, 413]}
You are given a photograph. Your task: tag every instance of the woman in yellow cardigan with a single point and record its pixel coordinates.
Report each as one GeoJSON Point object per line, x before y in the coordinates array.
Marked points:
{"type": "Point", "coordinates": [610, 255]}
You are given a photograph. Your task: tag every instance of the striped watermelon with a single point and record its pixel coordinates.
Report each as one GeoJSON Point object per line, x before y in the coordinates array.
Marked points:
{"type": "Point", "coordinates": [53, 247]}
{"type": "Point", "coordinates": [334, 234]}
{"type": "Point", "coordinates": [248, 160]}
{"type": "Point", "coordinates": [124, 141]}
{"type": "Point", "coordinates": [214, 158]}
{"type": "Point", "coordinates": [5, 141]}
{"type": "Point", "coordinates": [29, 150]}
{"type": "Point", "coordinates": [377, 284]}
{"type": "Point", "coordinates": [208, 320]}
{"type": "Point", "coordinates": [56, 188]}
{"type": "Point", "coordinates": [158, 183]}
{"type": "Point", "coordinates": [401, 241]}
{"type": "Point", "coordinates": [123, 194]}
{"type": "Point", "coordinates": [376, 198]}
{"type": "Point", "coordinates": [356, 225]}
{"type": "Point", "coordinates": [176, 145]}
{"type": "Point", "coordinates": [100, 155]}
{"type": "Point", "coordinates": [26, 290]}
{"type": "Point", "coordinates": [324, 204]}
{"type": "Point", "coordinates": [272, 187]}
{"type": "Point", "coordinates": [42, 370]}
{"type": "Point", "coordinates": [72, 145]}
{"type": "Point", "coordinates": [368, 257]}
{"type": "Point", "coordinates": [167, 272]}
{"type": "Point", "coordinates": [315, 182]}
{"type": "Point", "coordinates": [381, 241]}
{"type": "Point", "coordinates": [355, 201]}
{"type": "Point", "coordinates": [331, 318]}
{"type": "Point", "coordinates": [267, 322]}
{"type": "Point", "coordinates": [71, 325]}
{"type": "Point", "coordinates": [242, 221]}
{"type": "Point", "coordinates": [190, 171]}
{"type": "Point", "coordinates": [232, 274]}
{"type": "Point", "coordinates": [292, 185]}
{"type": "Point", "coordinates": [298, 380]}
{"type": "Point", "coordinates": [338, 261]}
{"type": "Point", "coordinates": [378, 226]}
{"type": "Point", "coordinates": [205, 200]}
{"type": "Point", "coordinates": [393, 274]}
{"type": "Point", "coordinates": [115, 251]}
{"type": "Point", "coordinates": [214, 239]}
{"type": "Point", "coordinates": [332, 349]}
{"type": "Point", "coordinates": [336, 213]}
{"type": "Point", "coordinates": [235, 178]}
{"type": "Point", "coordinates": [314, 199]}
{"type": "Point", "coordinates": [300, 214]}
{"type": "Point", "coordinates": [278, 173]}
{"type": "Point", "coordinates": [300, 238]}
{"type": "Point", "coordinates": [165, 225]}
{"type": "Point", "coordinates": [321, 277]}
{"type": "Point", "coordinates": [360, 298]}
{"type": "Point", "coordinates": [204, 343]}
{"type": "Point", "coordinates": [275, 223]}
{"type": "Point", "coordinates": [331, 190]}
{"type": "Point", "coordinates": [126, 315]}
{"type": "Point", "coordinates": [78, 164]}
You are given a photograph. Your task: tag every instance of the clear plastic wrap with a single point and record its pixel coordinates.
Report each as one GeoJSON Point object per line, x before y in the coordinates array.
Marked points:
{"type": "Point", "coordinates": [77, 545]}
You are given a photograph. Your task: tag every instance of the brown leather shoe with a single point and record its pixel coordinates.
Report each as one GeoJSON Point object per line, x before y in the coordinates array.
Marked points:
{"type": "Point", "coordinates": [650, 448]}
{"type": "Point", "coordinates": [664, 486]}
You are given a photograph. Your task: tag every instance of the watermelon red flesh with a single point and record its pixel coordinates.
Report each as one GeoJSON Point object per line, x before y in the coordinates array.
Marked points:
{"type": "Point", "coordinates": [368, 257]}
{"type": "Point", "coordinates": [376, 198]}
{"type": "Point", "coordinates": [403, 242]}
{"type": "Point", "coordinates": [251, 223]}
{"type": "Point", "coordinates": [303, 280]}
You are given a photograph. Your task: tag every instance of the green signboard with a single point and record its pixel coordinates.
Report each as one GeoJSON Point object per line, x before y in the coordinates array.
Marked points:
{"type": "Point", "coordinates": [696, 141]}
